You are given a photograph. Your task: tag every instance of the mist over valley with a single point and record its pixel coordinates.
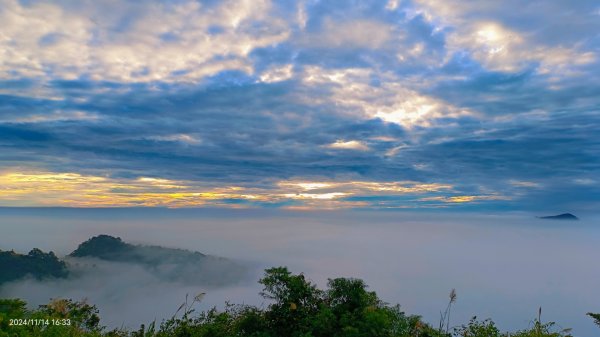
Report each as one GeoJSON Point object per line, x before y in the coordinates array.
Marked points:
{"type": "Point", "coordinates": [502, 266]}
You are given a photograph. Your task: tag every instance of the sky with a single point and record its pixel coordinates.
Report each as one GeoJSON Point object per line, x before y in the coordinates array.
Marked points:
{"type": "Point", "coordinates": [302, 105]}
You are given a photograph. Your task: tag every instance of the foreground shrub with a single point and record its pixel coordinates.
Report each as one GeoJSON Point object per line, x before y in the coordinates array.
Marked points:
{"type": "Point", "coordinates": [296, 308]}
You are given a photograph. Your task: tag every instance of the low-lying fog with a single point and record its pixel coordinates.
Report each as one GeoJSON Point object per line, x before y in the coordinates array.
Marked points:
{"type": "Point", "coordinates": [502, 266]}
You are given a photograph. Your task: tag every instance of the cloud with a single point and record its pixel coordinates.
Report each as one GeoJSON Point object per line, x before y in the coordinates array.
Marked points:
{"type": "Point", "coordinates": [503, 41]}
{"type": "Point", "coordinates": [55, 116]}
{"type": "Point", "coordinates": [527, 184]}
{"type": "Point", "coordinates": [465, 198]}
{"type": "Point", "coordinates": [184, 138]}
{"type": "Point", "coordinates": [392, 5]}
{"type": "Point", "coordinates": [277, 74]}
{"type": "Point", "coordinates": [351, 34]}
{"type": "Point", "coordinates": [124, 288]}
{"type": "Point", "coordinates": [349, 145]}
{"type": "Point", "coordinates": [75, 190]}
{"type": "Point", "coordinates": [471, 95]}
{"type": "Point", "coordinates": [134, 43]}
{"type": "Point", "coordinates": [428, 252]}
{"type": "Point", "coordinates": [280, 134]}
{"type": "Point", "coordinates": [390, 100]}
{"type": "Point", "coordinates": [500, 49]}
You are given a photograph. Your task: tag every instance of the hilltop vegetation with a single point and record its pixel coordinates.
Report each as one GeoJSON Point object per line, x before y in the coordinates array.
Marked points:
{"type": "Point", "coordinates": [36, 264]}
{"type": "Point", "coordinates": [168, 264]}
{"type": "Point", "coordinates": [297, 309]}
{"type": "Point", "coordinates": [109, 248]}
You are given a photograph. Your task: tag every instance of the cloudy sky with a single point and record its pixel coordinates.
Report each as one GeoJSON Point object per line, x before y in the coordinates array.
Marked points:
{"type": "Point", "coordinates": [422, 104]}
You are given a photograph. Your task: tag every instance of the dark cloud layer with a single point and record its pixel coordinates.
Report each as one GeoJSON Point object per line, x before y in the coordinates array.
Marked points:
{"type": "Point", "coordinates": [504, 104]}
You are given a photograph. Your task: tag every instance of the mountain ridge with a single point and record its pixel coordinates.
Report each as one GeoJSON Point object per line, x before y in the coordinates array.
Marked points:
{"type": "Point", "coordinates": [563, 216]}
{"type": "Point", "coordinates": [169, 264]}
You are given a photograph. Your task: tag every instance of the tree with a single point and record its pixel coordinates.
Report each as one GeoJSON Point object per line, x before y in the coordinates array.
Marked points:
{"type": "Point", "coordinates": [476, 328]}
{"type": "Point", "coordinates": [596, 318]}
{"type": "Point", "coordinates": [82, 316]}
{"type": "Point", "coordinates": [296, 300]}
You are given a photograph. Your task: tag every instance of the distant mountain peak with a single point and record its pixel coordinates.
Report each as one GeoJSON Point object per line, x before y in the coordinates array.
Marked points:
{"type": "Point", "coordinates": [170, 264]}
{"type": "Point", "coordinates": [564, 216]}
{"type": "Point", "coordinates": [101, 245]}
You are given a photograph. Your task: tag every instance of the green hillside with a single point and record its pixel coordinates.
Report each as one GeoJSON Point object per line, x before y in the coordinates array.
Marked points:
{"type": "Point", "coordinates": [37, 264]}
{"type": "Point", "coordinates": [167, 263]}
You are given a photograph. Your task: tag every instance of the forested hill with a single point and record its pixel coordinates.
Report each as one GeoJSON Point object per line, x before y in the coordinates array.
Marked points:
{"type": "Point", "coordinates": [37, 264]}
{"type": "Point", "coordinates": [109, 248]}
{"type": "Point", "coordinates": [167, 264]}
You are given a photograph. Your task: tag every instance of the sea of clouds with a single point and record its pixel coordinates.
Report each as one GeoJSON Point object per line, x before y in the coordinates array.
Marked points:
{"type": "Point", "coordinates": [502, 266]}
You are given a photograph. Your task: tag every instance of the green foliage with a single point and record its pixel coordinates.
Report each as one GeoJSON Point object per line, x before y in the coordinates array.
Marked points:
{"type": "Point", "coordinates": [540, 329]}
{"type": "Point", "coordinates": [56, 319]}
{"type": "Point", "coordinates": [37, 264]}
{"type": "Point", "coordinates": [295, 299]}
{"type": "Point", "coordinates": [297, 308]}
{"type": "Point", "coordinates": [103, 247]}
{"type": "Point", "coordinates": [10, 308]}
{"type": "Point", "coordinates": [109, 248]}
{"type": "Point", "coordinates": [82, 315]}
{"type": "Point", "coordinates": [475, 328]}
{"type": "Point", "coordinates": [596, 318]}
{"type": "Point", "coordinates": [346, 308]}
{"type": "Point", "coordinates": [357, 311]}
{"type": "Point", "coordinates": [183, 265]}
